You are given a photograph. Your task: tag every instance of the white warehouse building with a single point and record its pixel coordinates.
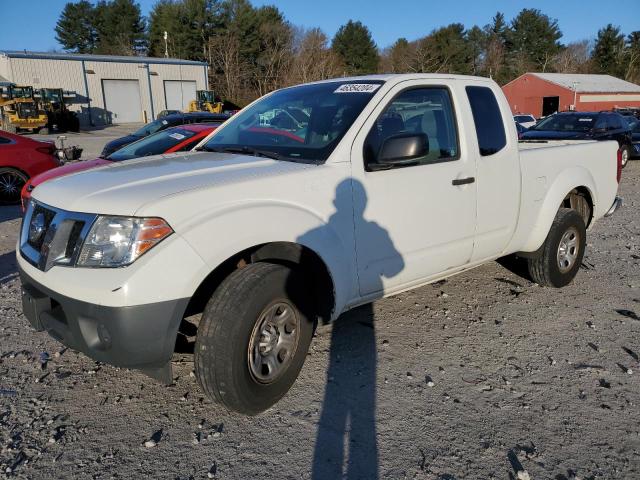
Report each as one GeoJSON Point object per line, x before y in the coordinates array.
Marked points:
{"type": "Point", "coordinates": [109, 89]}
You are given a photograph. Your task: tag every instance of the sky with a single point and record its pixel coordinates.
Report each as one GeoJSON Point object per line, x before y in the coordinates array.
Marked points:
{"type": "Point", "coordinates": [387, 19]}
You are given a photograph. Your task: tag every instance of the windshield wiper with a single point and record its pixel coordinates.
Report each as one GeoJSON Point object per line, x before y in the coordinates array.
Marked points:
{"type": "Point", "coordinates": [246, 151]}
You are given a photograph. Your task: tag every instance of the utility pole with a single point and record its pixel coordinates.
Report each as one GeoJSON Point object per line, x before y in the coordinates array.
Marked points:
{"type": "Point", "coordinates": [166, 46]}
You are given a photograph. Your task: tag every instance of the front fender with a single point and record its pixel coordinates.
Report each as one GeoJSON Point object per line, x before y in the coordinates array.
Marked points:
{"type": "Point", "coordinates": [564, 182]}
{"type": "Point", "coordinates": [243, 225]}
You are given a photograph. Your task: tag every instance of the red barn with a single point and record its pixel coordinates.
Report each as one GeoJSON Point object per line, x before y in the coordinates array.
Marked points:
{"type": "Point", "coordinates": [542, 94]}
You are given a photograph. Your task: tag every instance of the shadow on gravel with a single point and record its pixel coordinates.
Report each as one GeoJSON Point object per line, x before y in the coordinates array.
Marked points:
{"type": "Point", "coordinates": [10, 213]}
{"type": "Point", "coordinates": [8, 267]}
{"type": "Point", "coordinates": [347, 426]}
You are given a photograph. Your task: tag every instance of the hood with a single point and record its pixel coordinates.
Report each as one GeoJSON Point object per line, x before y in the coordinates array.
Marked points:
{"type": "Point", "coordinates": [118, 143]}
{"type": "Point", "coordinates": [67, 169]}
{"type": "Point", "coordinates": [553, 135]}
{"type": "Point", "coordinates": [121, 188]}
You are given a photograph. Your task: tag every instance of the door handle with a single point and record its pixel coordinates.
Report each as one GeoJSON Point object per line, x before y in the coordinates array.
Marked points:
{"type": "Point", "coordinates": [462, 181]}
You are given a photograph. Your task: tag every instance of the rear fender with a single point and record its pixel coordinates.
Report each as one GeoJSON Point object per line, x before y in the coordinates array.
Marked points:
{"type": "Point", "coordinates": [564, 183]}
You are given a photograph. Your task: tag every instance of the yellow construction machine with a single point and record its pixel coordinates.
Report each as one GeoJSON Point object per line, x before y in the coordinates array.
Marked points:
{"type": "Point", "coordinates": [205, 102]}
{"type": "Point", "coordinates": [60, 118]}
{"type": "Point", "coordinates": [19, 109]}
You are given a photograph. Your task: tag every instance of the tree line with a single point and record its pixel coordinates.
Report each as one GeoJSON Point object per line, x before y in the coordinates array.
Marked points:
{"type": "Point", "coordinates": [253, 50]}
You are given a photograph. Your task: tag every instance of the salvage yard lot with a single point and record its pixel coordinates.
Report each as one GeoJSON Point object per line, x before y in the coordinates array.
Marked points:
{"type": "Point", "coordinates": [480, 376]}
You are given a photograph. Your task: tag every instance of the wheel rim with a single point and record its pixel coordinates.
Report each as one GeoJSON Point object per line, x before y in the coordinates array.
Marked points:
{"type": "Point", "coordinates": [625, 156]}
{"type": "Point", "coordinates": [11, 183]}
{"type": "Point", "coordinates": [568, 250]}
{"type": "Point", "coordinates": [273, 342]}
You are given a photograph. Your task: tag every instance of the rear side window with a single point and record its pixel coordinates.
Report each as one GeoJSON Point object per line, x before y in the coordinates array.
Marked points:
{"type": "Point", "coordinates": [488, 120]}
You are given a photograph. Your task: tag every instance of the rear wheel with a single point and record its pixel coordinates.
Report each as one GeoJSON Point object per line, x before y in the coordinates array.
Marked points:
{"type": "Point", "coordinates": [11, 183]}
{"type": "Point", "coordinates": [253, 337]}
{"type": "Point", "coordinates": [562, 251]}
{"type": "Point", "coordinates": [625, 152]}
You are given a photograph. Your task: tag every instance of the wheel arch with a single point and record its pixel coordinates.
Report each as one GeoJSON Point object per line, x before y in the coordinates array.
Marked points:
{"type": "Point", "coordinates": [292, 254]}
{"type": "Point", "coordinates": [578, 180]}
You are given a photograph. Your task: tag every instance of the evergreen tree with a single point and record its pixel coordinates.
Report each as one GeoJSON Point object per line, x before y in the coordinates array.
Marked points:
{"type": "Point", "coordinates": [532, 41]}
{"type": "Point", "coordinates": [189, 25]}
{"type": "Point", "coordinates": [121, 28]}
{"type": "Point", "coordinates": [608, 53]}
{"type": "Point", "coordinates": [354, 45]}
{"type": "Point", "coordinates": [75, 29]}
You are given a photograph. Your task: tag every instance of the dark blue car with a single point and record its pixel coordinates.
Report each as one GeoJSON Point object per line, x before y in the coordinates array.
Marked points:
{"type": "Point", "coordinates": [584, 126]}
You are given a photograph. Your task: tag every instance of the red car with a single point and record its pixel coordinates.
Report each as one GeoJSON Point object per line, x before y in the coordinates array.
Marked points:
{"type": "Point", "coordinates": [176, 139]}
{"type": "Point", "coordinates": [22, 158]}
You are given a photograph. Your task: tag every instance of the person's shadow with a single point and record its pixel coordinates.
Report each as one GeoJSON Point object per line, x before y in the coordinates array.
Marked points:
{"type": "Point", "coordinates": [347, 426]}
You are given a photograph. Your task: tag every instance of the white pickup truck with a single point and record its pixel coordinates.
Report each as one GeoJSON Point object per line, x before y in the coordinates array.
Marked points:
{"type": "Point", "coordinates": [312, 200]}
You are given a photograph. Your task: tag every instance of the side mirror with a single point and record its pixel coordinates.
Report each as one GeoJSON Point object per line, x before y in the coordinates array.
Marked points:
{"type": "Point", "coordinates": [401, 149]}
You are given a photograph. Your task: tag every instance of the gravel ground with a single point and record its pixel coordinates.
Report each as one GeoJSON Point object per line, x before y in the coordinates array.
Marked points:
{"type": "Point", "coordinates": [485, 375]}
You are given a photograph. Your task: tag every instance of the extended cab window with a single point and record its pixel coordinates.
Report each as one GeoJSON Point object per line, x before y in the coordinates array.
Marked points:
{"type": "Point", "coordinates": [421, 110]}
{"type": "Point", "coordinates": [488, 120]}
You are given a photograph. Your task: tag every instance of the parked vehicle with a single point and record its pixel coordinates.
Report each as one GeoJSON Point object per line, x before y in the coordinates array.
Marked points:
{"type": "Point", "coordinates": [59, 117]}
{"type": "Point", "coordinates": [19, 110]}
{"type": "Point", "coordinates": [266, 231]}
{"type": "Point", "coordinates": [520, 129]}
{"type": "Point", "coordinates": [164, 113]}
{"type": "Point", "coordinates": [20, 159]}
{"type": "Point", "coordinates": [584, 126]}
{"type": "Point", "coordinates": [526, 120]}
{"type": "Point", "coordinates": [634, 126]}
{"type": "Point", "coordinates": [162, 124]}
{"type": "Point", "coordinates": [175, 139]}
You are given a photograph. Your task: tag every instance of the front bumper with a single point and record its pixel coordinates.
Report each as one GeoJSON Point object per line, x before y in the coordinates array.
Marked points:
{"type": "Point", "coordinates": [617, 203]}
{"type": "Point", "coordinates": [141, 337]}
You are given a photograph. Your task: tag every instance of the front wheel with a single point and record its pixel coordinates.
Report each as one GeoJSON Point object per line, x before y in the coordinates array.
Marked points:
{"type": "Point", "coordinates": [562, 251]}
{"type": "Point", "coordinates": [11, 183]}
{"type": "Point", "coordinates": [253, 337]}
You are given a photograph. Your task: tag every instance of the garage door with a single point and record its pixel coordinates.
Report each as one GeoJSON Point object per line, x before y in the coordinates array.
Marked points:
{"type": "Point", "coordinates": [178, 94]}
{"type": "Point", "coordinates": [122, 100]}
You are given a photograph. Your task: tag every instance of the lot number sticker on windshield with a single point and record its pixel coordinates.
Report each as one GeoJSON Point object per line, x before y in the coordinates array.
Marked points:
{"type": "Point", "coordinates": [357, 88]}
{"type": "Point", "coordinates": [177, 136]}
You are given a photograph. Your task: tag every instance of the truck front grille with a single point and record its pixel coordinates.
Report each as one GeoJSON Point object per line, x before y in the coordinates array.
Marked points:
{"type": "Point", "coordinates": [51, 236]}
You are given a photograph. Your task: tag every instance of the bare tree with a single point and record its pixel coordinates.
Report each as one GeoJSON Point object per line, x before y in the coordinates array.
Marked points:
{"type": "Point", "coordinates": [229, 70]}
{"type": "Point", "coordinates": [313, 59]}
{"type": "Point", "coordinates": [275, 60]}
{"type": "Point", "coordinates": [574, 58]}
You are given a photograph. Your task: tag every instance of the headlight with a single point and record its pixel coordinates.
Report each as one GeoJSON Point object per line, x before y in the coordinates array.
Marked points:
{"type": "Point", "coordinates": [119, 241]}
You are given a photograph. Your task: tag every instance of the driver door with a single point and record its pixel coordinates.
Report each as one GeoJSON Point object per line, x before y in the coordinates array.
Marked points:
{"type": "Point", "coordinates": [413, 222]}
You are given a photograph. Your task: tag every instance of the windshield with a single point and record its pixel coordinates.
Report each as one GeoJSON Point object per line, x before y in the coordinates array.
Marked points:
{"type": "Point", "coordinates": [524, 118]}
{"type": "Point", "coordinates": [298, 123]}
{"type": "Point", "coordinates": [152, 145]}
{"type": "Point", "coordinates": [566, 123]}
{"type": "Point", "coordinates": [150, 128]}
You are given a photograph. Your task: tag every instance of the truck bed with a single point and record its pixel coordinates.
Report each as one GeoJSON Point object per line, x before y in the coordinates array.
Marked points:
{"type": "Point", "coordinates": [551, 169]}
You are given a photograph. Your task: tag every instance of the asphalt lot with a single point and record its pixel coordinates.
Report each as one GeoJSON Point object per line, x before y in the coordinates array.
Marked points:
{"type": "Point", "coordinates": [92, 140]}
{"type": "Point", "coordinates": [485, 375]}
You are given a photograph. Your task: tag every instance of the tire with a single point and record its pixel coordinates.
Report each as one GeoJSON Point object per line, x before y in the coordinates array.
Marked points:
{"type": "Point", "coordinates": [567, 231]}
{"type": "Point", "coordinates": [626, 154]}
{"type": "Point", "coordinates": [11, 183]}
{"type": "Point", "coordinates": [229, 337]}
